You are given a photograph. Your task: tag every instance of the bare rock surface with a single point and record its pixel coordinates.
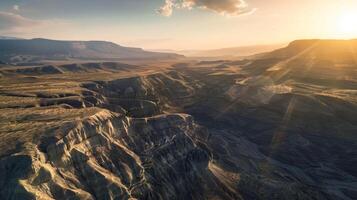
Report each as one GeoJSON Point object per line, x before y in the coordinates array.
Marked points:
{"type": "Point", "coordinates": [281, 126]}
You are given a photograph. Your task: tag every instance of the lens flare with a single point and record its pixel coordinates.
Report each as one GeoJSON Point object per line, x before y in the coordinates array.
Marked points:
{"type": "Point", "coordinates": [347, 24]}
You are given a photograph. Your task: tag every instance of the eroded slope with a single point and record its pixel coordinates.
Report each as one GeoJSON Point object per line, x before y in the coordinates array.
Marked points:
{"type": "Point", "coordinates": [273, 128]}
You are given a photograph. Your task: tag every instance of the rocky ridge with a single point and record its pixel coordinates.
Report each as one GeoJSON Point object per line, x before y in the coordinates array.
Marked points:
{"type": "Point", "coordinates": [270, 128]}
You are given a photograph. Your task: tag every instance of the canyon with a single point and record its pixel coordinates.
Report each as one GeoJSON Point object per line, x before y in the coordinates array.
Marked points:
{"type": "Point", "coordinates": [278, 125]}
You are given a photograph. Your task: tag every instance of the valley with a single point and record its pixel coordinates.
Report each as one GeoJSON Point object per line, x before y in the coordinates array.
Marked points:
{"type": "Point", "coordinates": [278, 125]}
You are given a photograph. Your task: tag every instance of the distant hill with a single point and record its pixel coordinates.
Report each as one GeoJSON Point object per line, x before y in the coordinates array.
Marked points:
{"type": "Point", "coordinates": [21, 50]}
{"type": "Point", "coordinates": [316, 64]}
{"type": "Point", "coordinates": [8, 38]}
{"type": "Point", "coordinates": [227, 52]}
{"type": "Point", "coordinates": [342, 50]}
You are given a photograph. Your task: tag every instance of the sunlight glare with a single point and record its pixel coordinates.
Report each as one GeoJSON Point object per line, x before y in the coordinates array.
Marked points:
{"type": "Point", "coordinates": [347, 24]}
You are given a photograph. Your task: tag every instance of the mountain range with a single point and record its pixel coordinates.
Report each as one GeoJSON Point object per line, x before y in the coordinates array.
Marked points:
{"type": "Point", "coordinates": [228, 53]}
{"type": "Point", "coordinates": [33, 50]}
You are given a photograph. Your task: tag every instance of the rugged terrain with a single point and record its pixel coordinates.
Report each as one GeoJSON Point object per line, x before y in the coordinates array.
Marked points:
{"type": "Point", "coordinates": [279, 125]}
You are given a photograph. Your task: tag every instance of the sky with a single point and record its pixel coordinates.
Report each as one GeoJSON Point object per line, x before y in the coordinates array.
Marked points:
{"type": "Point", "coordinates": [180, 24]}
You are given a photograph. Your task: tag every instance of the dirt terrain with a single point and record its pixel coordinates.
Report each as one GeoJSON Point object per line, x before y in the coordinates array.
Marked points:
{"type": "Point", "coordinates": [279, 125]}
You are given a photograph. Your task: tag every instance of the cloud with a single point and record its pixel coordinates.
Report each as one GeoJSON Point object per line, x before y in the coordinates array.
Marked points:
{"type": "Point", "coordinates": [167, 8]}
{"type": "Point", "coordinates": [224, 7]}
{"type": "Point", "coordinates": [11, 22]}
{"type": "Point", "coordinates": [16, 7]}
{"type": "Point", "coordinates": [15, 24]}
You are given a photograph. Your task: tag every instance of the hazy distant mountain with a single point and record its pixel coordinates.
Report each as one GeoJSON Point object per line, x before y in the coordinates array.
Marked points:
{"type": "Point", "coordinates": [322, 49]}
{"type": "Point", "coordinates": [226, 52]}
{"type": "Point", "coordinates": [8, 38]}
{"type": "Point", "coordinates": [42, 49]}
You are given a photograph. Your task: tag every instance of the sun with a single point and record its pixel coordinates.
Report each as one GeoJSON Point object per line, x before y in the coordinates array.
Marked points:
{"type": "Point", "coordinates": [347, 24]}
